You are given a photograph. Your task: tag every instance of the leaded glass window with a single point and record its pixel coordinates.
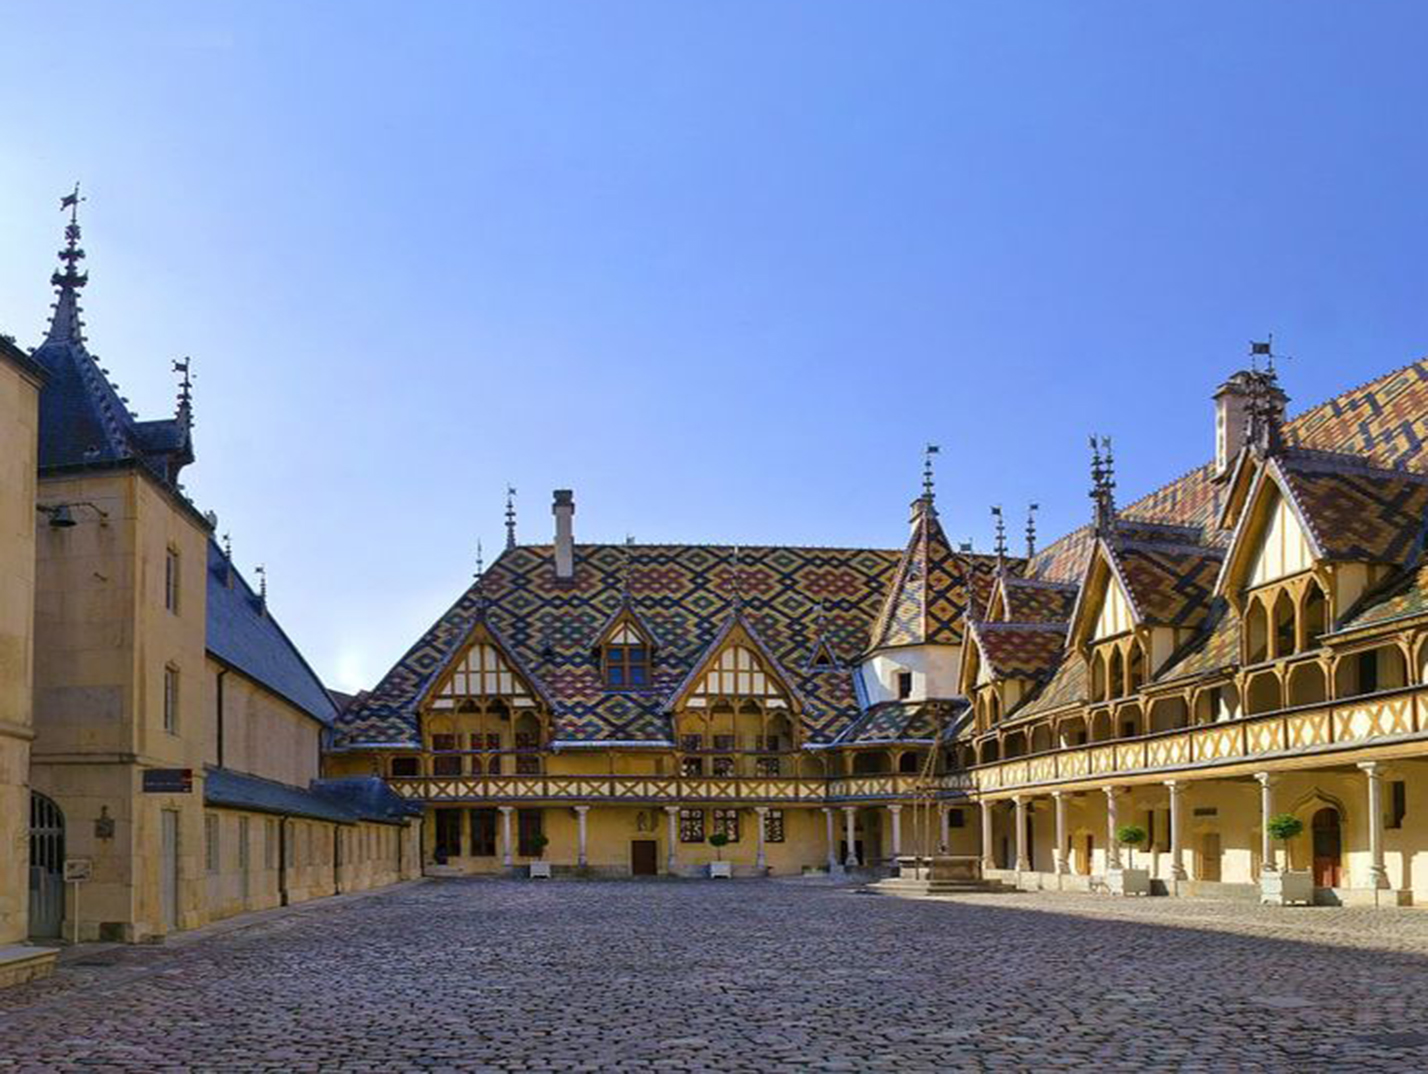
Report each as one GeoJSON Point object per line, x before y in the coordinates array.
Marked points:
{"type": "Point", "coordinates": [727, 821]}
{"type": "Point", "coordinates": [773, 826]}
{"type": "Point", "coordinates": [691, 825]}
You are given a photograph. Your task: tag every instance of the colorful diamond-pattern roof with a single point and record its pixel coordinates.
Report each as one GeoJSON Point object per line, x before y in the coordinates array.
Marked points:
{"type": "Point", "coordinates": [1031, 600]}
{"type": "Point", "coordinates": [1021, 650]}
{"type": "Point", "coordinates": [685, 596]}
{"type": "Point", "coordinates": [1364, 514]}
{"type": "Point", "coordinates": [1170, 584]}
{"type": "Point", "coordinates": [903, 721]}
{"type": "Point", "coordinates": [933, 587]}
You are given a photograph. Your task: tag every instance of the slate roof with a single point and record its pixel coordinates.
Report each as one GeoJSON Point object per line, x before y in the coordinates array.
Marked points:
{"type": "Point", "coordinates": [685, 596]}
{"type": "Point", "coordinates": [83, 419]}
{"type": "Point", "coordinates": [224, 787]}
{"type": "Point", "coordinates": [1067, 686]}
{"type": "Point", "coordinates": [1170, 584]}
{"type": "Point", "coordinates": [241, 635]}
{"type": "Point", "coordinates": [367, 798]}
{"type": "Point", "coordinates": [1357, 513]}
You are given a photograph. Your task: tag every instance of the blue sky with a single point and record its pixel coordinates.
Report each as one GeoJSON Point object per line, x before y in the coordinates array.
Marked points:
{"type": "Point", "coordinates": [722, 268]}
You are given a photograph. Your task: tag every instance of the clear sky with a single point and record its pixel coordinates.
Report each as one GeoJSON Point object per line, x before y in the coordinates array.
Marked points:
{"type": "Point", "coordinates": [722, 268]}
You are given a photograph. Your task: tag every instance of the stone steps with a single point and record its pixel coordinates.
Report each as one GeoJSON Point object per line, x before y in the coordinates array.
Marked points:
{"type": "Point", "coordinates": [911, 887]}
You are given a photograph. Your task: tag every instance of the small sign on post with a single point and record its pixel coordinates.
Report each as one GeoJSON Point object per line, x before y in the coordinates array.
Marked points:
{"type": "Point", "coordinates": [76, 872]}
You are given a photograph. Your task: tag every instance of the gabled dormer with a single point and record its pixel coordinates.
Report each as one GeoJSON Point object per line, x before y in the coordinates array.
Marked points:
{"type": "Point", "coordinates": [626, 647]}
{"type": "Point", "coordinates": [1312, 532]}
{"type": "Point", "coordinates": [1004, 663]}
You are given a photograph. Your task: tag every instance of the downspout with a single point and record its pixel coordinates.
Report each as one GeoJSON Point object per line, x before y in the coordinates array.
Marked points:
{"type": "Point", "coordinates": [283, 860]}
{"type": "Point", "coordinates": [336, 859]}
{"type": "Point", "coordinates": [222, 672]}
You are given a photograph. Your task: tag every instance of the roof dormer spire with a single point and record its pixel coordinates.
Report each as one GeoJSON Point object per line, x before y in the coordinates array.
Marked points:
{"type": "Point", "coordinates": [65, 325]}
{"type": "Point", "coordinates": [1001, 535]}
{"type": "Point", "coordinates": [510, 517]}
{"type": "Point", "coordinates": [1103, 483]}
{"type": "Point", "coordinates": [1031, 529]}
{"type": "Point", "coordinates": [184, 413]}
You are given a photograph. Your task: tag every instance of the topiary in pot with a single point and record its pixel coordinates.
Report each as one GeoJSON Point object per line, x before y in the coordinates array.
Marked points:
{"type": "Point", "coordinates": [1132, 836]}
{"type": "Point", "coordinates": [1284, 827]}
{"type": "Point", "coordinates": [540, 842]}
{"type": "Point", "coordinates": [719, 840]}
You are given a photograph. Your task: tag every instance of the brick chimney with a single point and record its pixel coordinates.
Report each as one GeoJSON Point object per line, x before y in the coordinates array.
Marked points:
{"type": "Point", "coordinates": [564, 511]}
{"type": "Point", "coordinates": [1235, 402]}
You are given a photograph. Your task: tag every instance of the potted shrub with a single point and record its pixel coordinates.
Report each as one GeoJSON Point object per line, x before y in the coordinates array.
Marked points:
{"type": "Point", "coordinates": [1285, 887]}
{"type": "Point", "coordinates": [540, 869]}
{"type": "Point", "coordinates": [720, 869]}
{"type": "Point", "coordinates": [1129, 880]}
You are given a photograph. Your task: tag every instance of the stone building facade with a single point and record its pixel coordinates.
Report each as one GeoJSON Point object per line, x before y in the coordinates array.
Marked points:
{"type": "Point", "coordinates": [1247, 641]}
{"type": "Point", "coordinates": [164, 740]}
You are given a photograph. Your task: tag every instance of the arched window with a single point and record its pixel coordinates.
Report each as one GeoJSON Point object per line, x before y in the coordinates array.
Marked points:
{"type": "Point", "coordinates": [1262, 694]}
{"type": "Point", "coordinates": [1316, 614]}
{"type": "Point", "coordinates": [1307, 685]}
{"type": "Point", "coordinates": [1098, 676]}
{"type": "Point", "coordinates": [1117, 675]}
{"type": "Point", "coordinates": [1256, 632]}
{"type": "Point", "coordinates": [1284, 641]}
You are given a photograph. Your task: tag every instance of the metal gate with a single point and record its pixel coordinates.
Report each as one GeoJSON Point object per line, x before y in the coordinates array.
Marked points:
{"type": "Point", "coordinates": [46, 867]}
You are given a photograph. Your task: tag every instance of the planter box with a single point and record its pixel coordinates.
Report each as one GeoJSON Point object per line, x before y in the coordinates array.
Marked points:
{"type": "Point", "coordinates": [540, 870]}
{"type": "Point", "coordinates": [1290, 888]}
{"type": "Point", "coordinates": [721, 870]}
{"type": "Point", "coordinates": [1128, 881]}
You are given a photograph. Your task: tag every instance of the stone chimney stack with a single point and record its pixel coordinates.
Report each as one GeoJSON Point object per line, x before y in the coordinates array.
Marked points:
{"type": "Point", "coordinates": [1235, 403]}
{"type": "Point", "coordinates": [564, 511]}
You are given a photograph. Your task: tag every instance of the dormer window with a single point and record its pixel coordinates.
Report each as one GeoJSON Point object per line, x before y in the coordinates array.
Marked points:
{"type": "Point", "coordinates": [627, 666]}
{"type": "Point", "coordinates": [625, 653]}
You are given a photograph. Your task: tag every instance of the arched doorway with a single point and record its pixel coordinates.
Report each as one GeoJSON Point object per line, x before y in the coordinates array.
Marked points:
{"type": "Point", "coordinates": [1328, 848]}
{"type": "Point", "coordinates": [46, 867]}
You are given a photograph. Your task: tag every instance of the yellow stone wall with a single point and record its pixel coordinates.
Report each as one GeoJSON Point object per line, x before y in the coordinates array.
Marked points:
{"type": "Point", "coordinates": [103, 640]}
{"type": "Point", "coordinates": [18, 432]}
{"type": "Point", "coordinates": [263, 734]}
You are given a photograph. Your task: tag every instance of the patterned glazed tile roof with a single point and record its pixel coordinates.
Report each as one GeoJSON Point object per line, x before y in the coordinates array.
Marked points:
{"type": "Point", "coordinates": [245, 636]}
{"type": "Point", "coordinates": [1358, 514]}
{"type": "Point", "coordinates": [1405, 594]}
{"type": "Point", "coordinates": [1032, 600]}
{"type": "Point", "coordinates": [1216, 646]}
{"type": "Point", "coordinates": [684, 594]}
{"type": "Point", "coordinates": [933, 588]}
{"type": "Point", "coordinates": [1170, 584]}
{"type": "Point", "coordinates": [1021, 650]}
{"type": "Point", "coordinates": [1067, 686]}
{"type": "Point", "coordinates": [1383, 422]}
{"type": "Point", "coordinates": [903, 721]}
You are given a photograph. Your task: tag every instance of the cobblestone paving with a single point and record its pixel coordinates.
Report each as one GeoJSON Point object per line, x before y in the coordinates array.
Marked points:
{"type": "Point", "coordinates": [757, 976]}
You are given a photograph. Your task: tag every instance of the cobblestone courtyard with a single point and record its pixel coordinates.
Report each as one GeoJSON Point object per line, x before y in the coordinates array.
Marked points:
{"type": "Point", "coordinates": [762, 976]}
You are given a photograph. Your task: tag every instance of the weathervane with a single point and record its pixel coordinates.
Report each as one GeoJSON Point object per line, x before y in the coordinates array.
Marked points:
{"type": "Point", "coordinates": [928, 479]}
{"type": "Point", "coordinates": [182, 366]}
{"type": "Point", "coordinates": [1001, 532]}
{"type": "Point", "coordinates": [510, 517]}
{"type": "Point", "coordinates": [1031, 529]}
{"type": "Point", "coordinates": [262, 572]}
{"type": "Point", "coordinates": [1103, 482]}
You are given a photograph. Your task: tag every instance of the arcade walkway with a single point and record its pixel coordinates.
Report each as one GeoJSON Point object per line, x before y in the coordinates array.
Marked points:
{"type": "Point", "coordinates": [744, 975]}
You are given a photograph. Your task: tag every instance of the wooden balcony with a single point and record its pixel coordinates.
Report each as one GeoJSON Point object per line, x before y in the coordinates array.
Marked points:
{"type": "Point", "coordinates": [667, 790]}
{"type": "Point", "coordinates": [1328, 728]}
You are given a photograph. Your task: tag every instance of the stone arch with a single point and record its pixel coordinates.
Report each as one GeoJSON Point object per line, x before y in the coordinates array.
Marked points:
{"type": "Point", "coordinates": [1307, 685]}
{"type": "Point", "coordinates": [1262, 693]}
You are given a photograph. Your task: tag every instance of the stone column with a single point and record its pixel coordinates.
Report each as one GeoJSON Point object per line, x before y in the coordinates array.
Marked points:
{"type": "Point", "coordinates": [508, 857]}
{"type": "Point", "coordinates": [1113, 848]}
{"type": "Point", "coordinates": [1266, 810]}
{"type": "Point", "coordinates": [944, 831]}
{"type": "Point", "coordinates": [671, 857]}
{"type": "Point", "coordinates": [1378, 875]}
{"type": "Point", "coordinates": [896, 811]}
{"type": "Point", "coordinates": [1063, 867]}
{"type": "Point", "coordinates": [1177, 812]}
{"type": "Point", "coordinates": [580, 812]}
{"type": "Point", "coordinates": [1023, 862]}
{"type": "Point", "coordinates": [989, 860]}
{"type": "Point", "coordinates": [833, 865]}
{"type": "Point", "coordinates": [848, 822]}
{"type": "Point", "coordinates": [761, 858]}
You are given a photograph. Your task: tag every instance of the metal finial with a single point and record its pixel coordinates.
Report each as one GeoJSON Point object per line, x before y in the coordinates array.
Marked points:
{"type": "Point", "coordinates": [510, 517]}
{"type": "Point", "coordinates": [228, 547]}
{"type": "Point", "coordinates": [1031, 529]}
{"type": "Point", "coordinates": [183, 367]}
{"type": "Point", "coordinates": [1103, 482]}
{"type": "Point", "coordinates": [480, 561]}
{"type": "Point", "coordinates": [65, 326]}
{"type": "Point", "coordinates": [262, 572]}
{"type": "Point", "coordinates": [928, 478]}
{"type": "Point", "coordinates": [1001, 532]}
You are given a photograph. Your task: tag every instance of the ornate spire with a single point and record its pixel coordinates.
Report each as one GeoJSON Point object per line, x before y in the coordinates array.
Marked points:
{"type": "Point", "coordinates": [480, 561]}
{"type": "Point", "coordinates": [510, 517]}
{"type": "Point", "coordinates": [1001, 534]}
{"type": "Point", "coordinates": [184, 413]}
{"type": "Point", "coordinates": [1266, 400]}
{"type": "Point", "coordinates": [1103, 483]}
{"type": "Point", "coordinates": [1031, 529]}
{"type": "Point", "coordinates": [928, 478]}
{"type": "Point", "coordinates": [65, 325]}
{"type": "Point", "coordinates": [262, 572]}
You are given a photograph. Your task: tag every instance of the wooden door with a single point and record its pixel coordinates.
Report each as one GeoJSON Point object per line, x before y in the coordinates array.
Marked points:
{"type": "Point", "coordinates": [1210, 856]}
{"type": "Point", "coordinates": [644, 857]}
{"type": "Point", "coordinates": [1087, 855]}
{"type": "Point", "coordinates": [1328, 849]}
